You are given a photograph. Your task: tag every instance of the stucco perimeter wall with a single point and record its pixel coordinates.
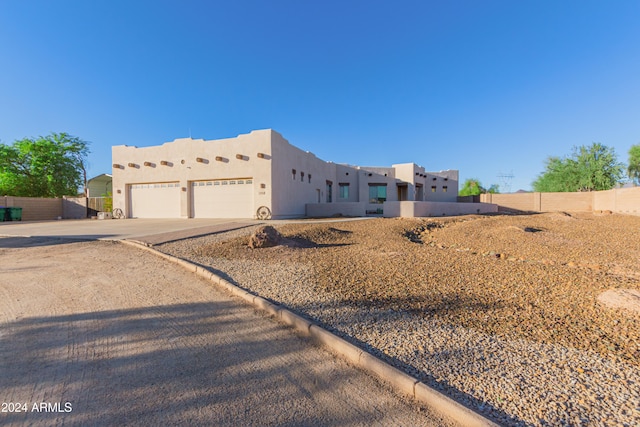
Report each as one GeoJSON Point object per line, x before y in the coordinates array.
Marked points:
{"type": "Point", "coordinates": [185, 160]}
{"type": "Point", "coordinates": [621, 200]}
{"type": "Point", "coordinates": [325, 210]}
{"type": "Point", "coordinates": [430, 209]}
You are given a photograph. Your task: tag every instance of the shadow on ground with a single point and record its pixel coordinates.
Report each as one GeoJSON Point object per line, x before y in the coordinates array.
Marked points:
{"type": "Point", "coordinates": [30, 242]}
{"type": "Point", "coordinates": [187, 364]}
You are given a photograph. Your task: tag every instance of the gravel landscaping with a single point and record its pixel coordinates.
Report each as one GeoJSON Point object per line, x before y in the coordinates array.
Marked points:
{"type": "Point", "coordinates": [507, 314]}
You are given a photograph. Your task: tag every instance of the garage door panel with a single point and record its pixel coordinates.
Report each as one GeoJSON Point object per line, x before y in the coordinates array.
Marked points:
{"type": "Point", "coordinates": [155, 200]}
{"type": "Point", "coordinates": [229, 198]}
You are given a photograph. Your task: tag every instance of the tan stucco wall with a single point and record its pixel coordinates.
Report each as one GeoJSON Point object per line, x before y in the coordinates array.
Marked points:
{"type": "Point", "coordinates": [324, 210]}
{"type": "Point", "coordinates": [292, 193]}
{"type": "Point", "coordinates": [430, 209]}
{"type": "Point", "coordinates": [183, 166]}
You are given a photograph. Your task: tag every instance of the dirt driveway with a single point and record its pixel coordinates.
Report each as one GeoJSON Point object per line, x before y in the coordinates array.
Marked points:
{"type": "Point", "coordinates": [99, 333]}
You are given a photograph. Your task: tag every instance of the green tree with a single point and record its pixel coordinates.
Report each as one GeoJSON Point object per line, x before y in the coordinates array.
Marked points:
{"type": "Point", "coordinates": [494, 189]}
{"type": "Point", "coordinates": [591, 168]}
{"type": "Point", "coordinates": [633, 170]}
{"type": "Point", "coordinates": [47, 166]}
{"type": "Point", "coordinates": [471, 187]}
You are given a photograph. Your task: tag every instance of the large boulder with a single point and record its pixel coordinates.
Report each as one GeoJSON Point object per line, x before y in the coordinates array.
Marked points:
{"type": "Point", "coordinates": [264, 237]}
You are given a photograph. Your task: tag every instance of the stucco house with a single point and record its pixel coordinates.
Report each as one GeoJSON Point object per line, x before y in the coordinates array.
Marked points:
{"type": "Point", "coordinates": [261, 175]}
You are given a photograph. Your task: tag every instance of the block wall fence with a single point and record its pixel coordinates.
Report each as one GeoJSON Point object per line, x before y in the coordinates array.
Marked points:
{"type": "Point", "coordinates": [620, 200]}
{"type": "Point", "coordinates": [47, 209]}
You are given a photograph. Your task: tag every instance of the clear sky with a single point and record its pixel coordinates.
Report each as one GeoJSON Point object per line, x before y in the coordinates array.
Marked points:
{"type": "Point", "coordinates": [486, 87]}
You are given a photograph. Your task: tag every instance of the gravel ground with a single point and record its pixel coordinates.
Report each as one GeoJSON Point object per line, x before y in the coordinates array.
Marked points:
{"type": "Point", "coordinates": [499, 312]}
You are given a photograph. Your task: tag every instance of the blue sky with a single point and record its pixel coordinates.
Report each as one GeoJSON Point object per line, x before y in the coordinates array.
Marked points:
{"type": "Point", "coordinates": [486, 87]}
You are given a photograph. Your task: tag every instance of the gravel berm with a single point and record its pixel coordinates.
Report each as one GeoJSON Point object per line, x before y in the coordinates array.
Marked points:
{"type": "Point", "coordinates": [499, 312]}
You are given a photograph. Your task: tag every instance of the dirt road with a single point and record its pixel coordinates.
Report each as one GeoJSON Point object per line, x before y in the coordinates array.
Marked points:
{"type": "Point", "coordinates": [98, 333]}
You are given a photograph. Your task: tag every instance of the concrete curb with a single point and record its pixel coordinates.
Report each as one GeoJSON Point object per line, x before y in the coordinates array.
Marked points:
{"type": "Point", "coordinates": [398, 380]}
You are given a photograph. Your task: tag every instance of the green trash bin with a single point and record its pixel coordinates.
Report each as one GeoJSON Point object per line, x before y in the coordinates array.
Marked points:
{"type": "Point", "coordinates": [15, 214]}
{"type": "Point", "coordinates": [3, 213]}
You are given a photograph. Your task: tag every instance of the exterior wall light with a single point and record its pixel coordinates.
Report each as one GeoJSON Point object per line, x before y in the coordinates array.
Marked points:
{"type": "Point", "coordinates": [164, 163]}
{"type": "Point", "coordinates": [132, 165]}
{"type": "Point", "coordinates": [148, 164]}
{"type": "Point", "coordinates": [200, 160]}
{"type": "Point", "coordinates": [118, 166]}
{"type": "Point", "coordinates": [218, 159]}
{"type": "Point", "coordinates": [239, 157]}
{"type": "Point", "coordinates": [261, 155]}
{"type": "Point", "coordinates": [263, 186]}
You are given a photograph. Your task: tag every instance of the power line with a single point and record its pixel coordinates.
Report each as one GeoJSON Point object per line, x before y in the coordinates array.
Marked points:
{"type": "Point", "coordinates": [505, 181]}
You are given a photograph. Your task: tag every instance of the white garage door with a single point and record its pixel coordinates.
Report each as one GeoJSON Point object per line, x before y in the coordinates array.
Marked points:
{"type": "Point", "coordinates": [222, 198]}
{"type": "Point", "coordinates": [157, 200]}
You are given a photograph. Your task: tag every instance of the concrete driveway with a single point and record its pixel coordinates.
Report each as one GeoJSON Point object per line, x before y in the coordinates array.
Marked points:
{"type": "Point", "coordinates": [114, 229]}
{"type": "Point", "coordinates": [99, 333]}
{"type": "Point", "coordinates": [148, 230]}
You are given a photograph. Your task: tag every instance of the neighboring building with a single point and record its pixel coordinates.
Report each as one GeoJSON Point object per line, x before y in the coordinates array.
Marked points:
{"type": "Point", "coordinates": [99, 186]}
{"type": "Point", "coordinates": [261, 175]}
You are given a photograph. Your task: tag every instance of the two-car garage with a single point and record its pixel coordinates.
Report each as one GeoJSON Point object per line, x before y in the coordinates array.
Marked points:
{"type": "Point", "coordinates": [216, 198]}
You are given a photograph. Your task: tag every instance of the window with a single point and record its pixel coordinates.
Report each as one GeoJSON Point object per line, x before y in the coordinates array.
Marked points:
{"type": "Point", "coordinates": [329, 191]}
{"type": "Point", "coordinates": [201, 184]}
{"type": "Point", "coordinates": [309, 176]}
{"type": "Point", "coordinates": [293, 174]}
{"type": "Point", "coordinates": [344, 191]}
{"type": "Point", "coordinates": [209, 183]}
{"type": "Point", "coordinates": [301, 176]}
{"type": "Point", "coordinates": [225, 182]}
{"type": "Point", "coordinates": [433, 188]}
{"type": "Point", "coordinates": [444, 189]}
{"type": "Point", "coordinates": [377, 193]}
{"type": "Point", "coordinates": [240, 181]}
{"type": "Point", "coordinates": [249, 181]}
{"type": "Point", "coordinates": [232, 182]}
{"type": "Point", "coordinates": [216, 182]}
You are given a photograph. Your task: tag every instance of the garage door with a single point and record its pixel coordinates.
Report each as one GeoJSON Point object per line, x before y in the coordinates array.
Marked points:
{"type": "Point", "coordinates": [157, 200]}
{"type": "Point", "coordinates": [222, 198]}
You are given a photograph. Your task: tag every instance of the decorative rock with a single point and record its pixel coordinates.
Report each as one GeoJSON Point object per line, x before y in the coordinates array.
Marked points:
{"type": "Point", "coordinates": [264, 237]}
